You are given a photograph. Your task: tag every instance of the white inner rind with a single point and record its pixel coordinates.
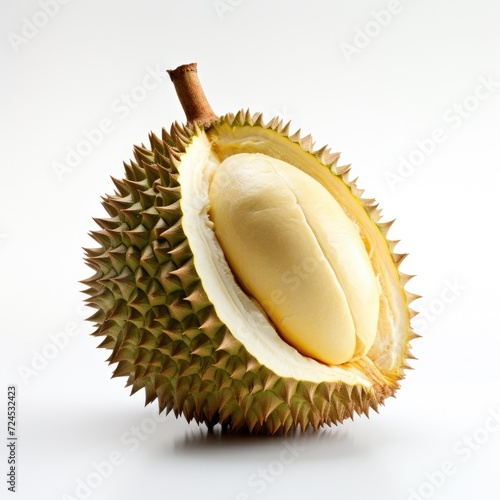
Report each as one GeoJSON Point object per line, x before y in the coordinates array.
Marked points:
{"type": "Point", "coordinates": [235, 309]}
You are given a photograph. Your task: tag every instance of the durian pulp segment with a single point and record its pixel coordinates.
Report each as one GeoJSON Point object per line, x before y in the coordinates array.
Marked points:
{"type": "Point", "coordinates": [390, 346]}
{"type": "Point", "coordinates": [233, 306]}
{"type": "Point", "coordinates": [295, 251]}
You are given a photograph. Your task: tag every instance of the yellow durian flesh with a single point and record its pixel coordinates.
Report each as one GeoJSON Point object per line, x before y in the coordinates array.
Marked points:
{"type": "Point", "coordinates": [390, 347]}
{"type": "Point", "coordinates": [295, 251]}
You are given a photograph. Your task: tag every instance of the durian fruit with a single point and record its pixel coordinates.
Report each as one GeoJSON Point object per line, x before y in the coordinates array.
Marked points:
{"type": "Point", "coordinates": [242, 280]}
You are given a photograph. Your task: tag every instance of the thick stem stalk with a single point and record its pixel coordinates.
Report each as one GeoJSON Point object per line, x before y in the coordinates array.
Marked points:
{"type": "Point", "coordinates": [191, 95]}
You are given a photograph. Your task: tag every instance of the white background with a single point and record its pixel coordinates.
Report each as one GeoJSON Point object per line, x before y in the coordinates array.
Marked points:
{"type": "Point", "coordinates": [373, 98]}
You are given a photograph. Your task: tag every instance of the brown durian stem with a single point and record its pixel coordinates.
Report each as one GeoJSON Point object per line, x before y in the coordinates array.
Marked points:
{"type": "Point", "coordinates": [191, 95]}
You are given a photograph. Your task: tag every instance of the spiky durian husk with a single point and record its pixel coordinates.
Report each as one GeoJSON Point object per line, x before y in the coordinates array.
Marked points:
{"type": "Point", "coordinates": [163, 331]}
